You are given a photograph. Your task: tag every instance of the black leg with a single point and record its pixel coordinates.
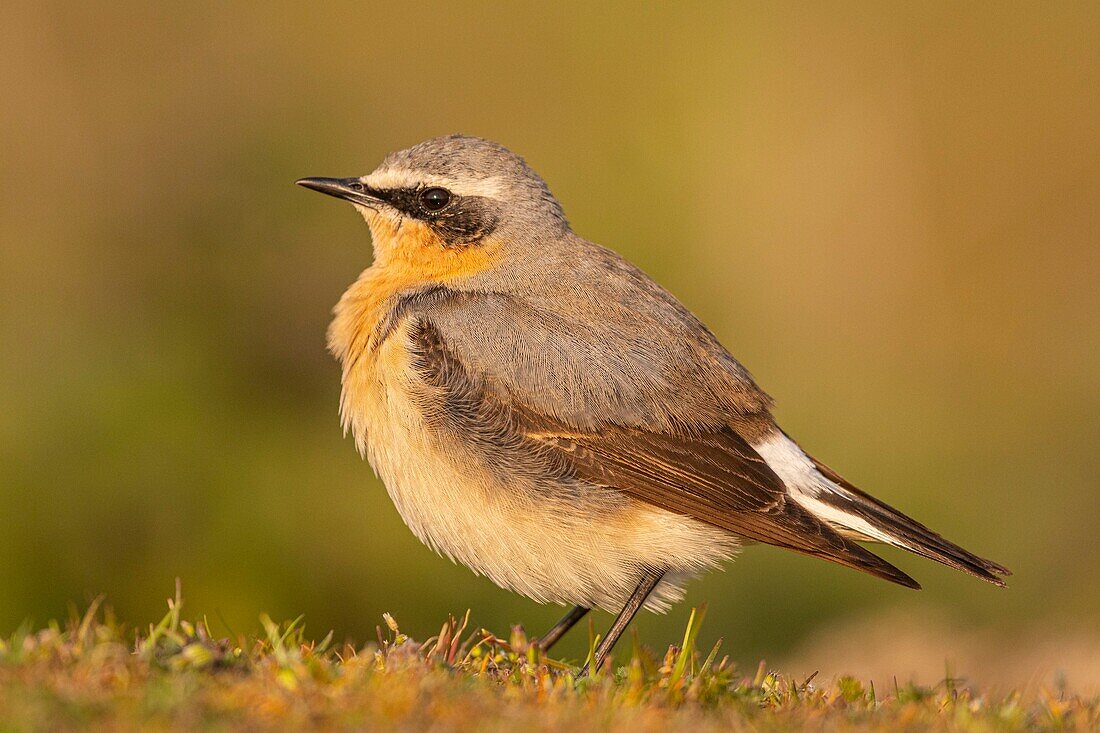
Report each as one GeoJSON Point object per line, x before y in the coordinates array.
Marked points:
{"type": "Point", "coordinates": [637, 599]}
{"type": "Point", "coordinates": [550, 638]}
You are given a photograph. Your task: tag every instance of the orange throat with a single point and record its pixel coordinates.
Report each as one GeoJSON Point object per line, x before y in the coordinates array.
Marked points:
{"type": "Point", "coordinates": [408, 255]}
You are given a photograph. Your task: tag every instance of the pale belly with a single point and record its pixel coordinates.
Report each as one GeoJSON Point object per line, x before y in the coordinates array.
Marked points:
{"type": "Point", "coordinates": [583, 546]}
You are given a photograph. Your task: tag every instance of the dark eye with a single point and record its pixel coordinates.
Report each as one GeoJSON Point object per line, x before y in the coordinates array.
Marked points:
{"type": "Point", "coordinates": [435, 199]}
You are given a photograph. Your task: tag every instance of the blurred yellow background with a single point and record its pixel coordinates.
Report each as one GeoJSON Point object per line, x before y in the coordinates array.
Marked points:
{"type": "Point", "coordinates": [889, 213]}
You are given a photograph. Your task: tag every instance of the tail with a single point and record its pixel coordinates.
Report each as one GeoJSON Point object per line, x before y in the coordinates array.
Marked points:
{"type": "Point", "coordinates": [897, 529]}
{"type": "Point", "coordinates": [856, 515]}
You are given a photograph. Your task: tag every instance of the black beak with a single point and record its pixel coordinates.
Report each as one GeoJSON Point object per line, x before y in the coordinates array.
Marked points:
{"type": "Point", "coordinates": [349, 189]}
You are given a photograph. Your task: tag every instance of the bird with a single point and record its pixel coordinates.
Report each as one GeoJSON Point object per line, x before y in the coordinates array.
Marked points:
{"type": "Point", "coordinates": [543, 412]}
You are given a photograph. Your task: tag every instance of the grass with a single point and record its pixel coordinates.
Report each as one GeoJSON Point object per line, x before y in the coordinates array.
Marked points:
{"type": "Point", "coordinates": [93, 674]}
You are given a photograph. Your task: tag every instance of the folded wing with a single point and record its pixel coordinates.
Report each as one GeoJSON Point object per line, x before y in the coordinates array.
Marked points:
{"type": "Point", "coordinates": [710, 474]}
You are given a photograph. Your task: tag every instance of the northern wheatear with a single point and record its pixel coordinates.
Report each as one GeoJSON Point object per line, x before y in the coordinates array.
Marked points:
{"type": "Point", "coordinates": [543, 412]}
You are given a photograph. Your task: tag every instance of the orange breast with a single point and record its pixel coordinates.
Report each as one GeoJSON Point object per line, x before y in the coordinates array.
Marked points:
{"type": "Point", "coordinates": [408, 255]}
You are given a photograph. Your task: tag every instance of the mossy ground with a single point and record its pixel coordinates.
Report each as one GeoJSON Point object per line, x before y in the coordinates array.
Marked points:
{"type": "Point", "coordinates": [92, 673]}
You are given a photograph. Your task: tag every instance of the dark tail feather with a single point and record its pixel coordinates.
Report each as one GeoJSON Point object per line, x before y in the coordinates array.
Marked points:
{"type": "Point", "coordinates": [911, 535]}
{"type": "Point", "coordinates": [817, 538]}
{"type": "Point", "coordinates": [863, 559]}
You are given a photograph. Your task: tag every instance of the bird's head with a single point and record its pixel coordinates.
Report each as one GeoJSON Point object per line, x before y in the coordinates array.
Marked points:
{"type": "Point", "coordinates": [449, 193]}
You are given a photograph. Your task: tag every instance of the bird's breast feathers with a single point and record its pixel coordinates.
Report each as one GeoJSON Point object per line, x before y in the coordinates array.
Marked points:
{"type": "Point", "coordinates": [531, 534]}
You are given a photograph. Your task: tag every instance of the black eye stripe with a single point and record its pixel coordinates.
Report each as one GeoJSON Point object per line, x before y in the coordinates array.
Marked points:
{"type": "Point", "coordinates": [416, 202]}
{"type": "Point", "coordinates": [402, 199]}
{"type": "Point", "coordinates": [460, 221]}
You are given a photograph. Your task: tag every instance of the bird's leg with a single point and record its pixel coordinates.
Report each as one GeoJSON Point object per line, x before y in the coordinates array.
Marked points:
{"type": "Point", "coordinates": [634, 603]}
{"type": "Point", "coordinates": [568, 621]}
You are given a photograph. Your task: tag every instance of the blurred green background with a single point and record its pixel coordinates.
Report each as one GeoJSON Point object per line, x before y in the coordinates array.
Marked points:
{"type": "Point", "coordinates": [889, 213]}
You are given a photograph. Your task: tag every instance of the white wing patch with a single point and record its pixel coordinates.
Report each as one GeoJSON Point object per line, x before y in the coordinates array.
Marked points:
{"type": "Point", "coordinates": [805, 484]}
{"type": "Point", "coordinates": [793, 466]}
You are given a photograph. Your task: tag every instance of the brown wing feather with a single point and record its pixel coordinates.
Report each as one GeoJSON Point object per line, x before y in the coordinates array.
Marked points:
{"type": "Point", "coordinates": [712, 476]}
